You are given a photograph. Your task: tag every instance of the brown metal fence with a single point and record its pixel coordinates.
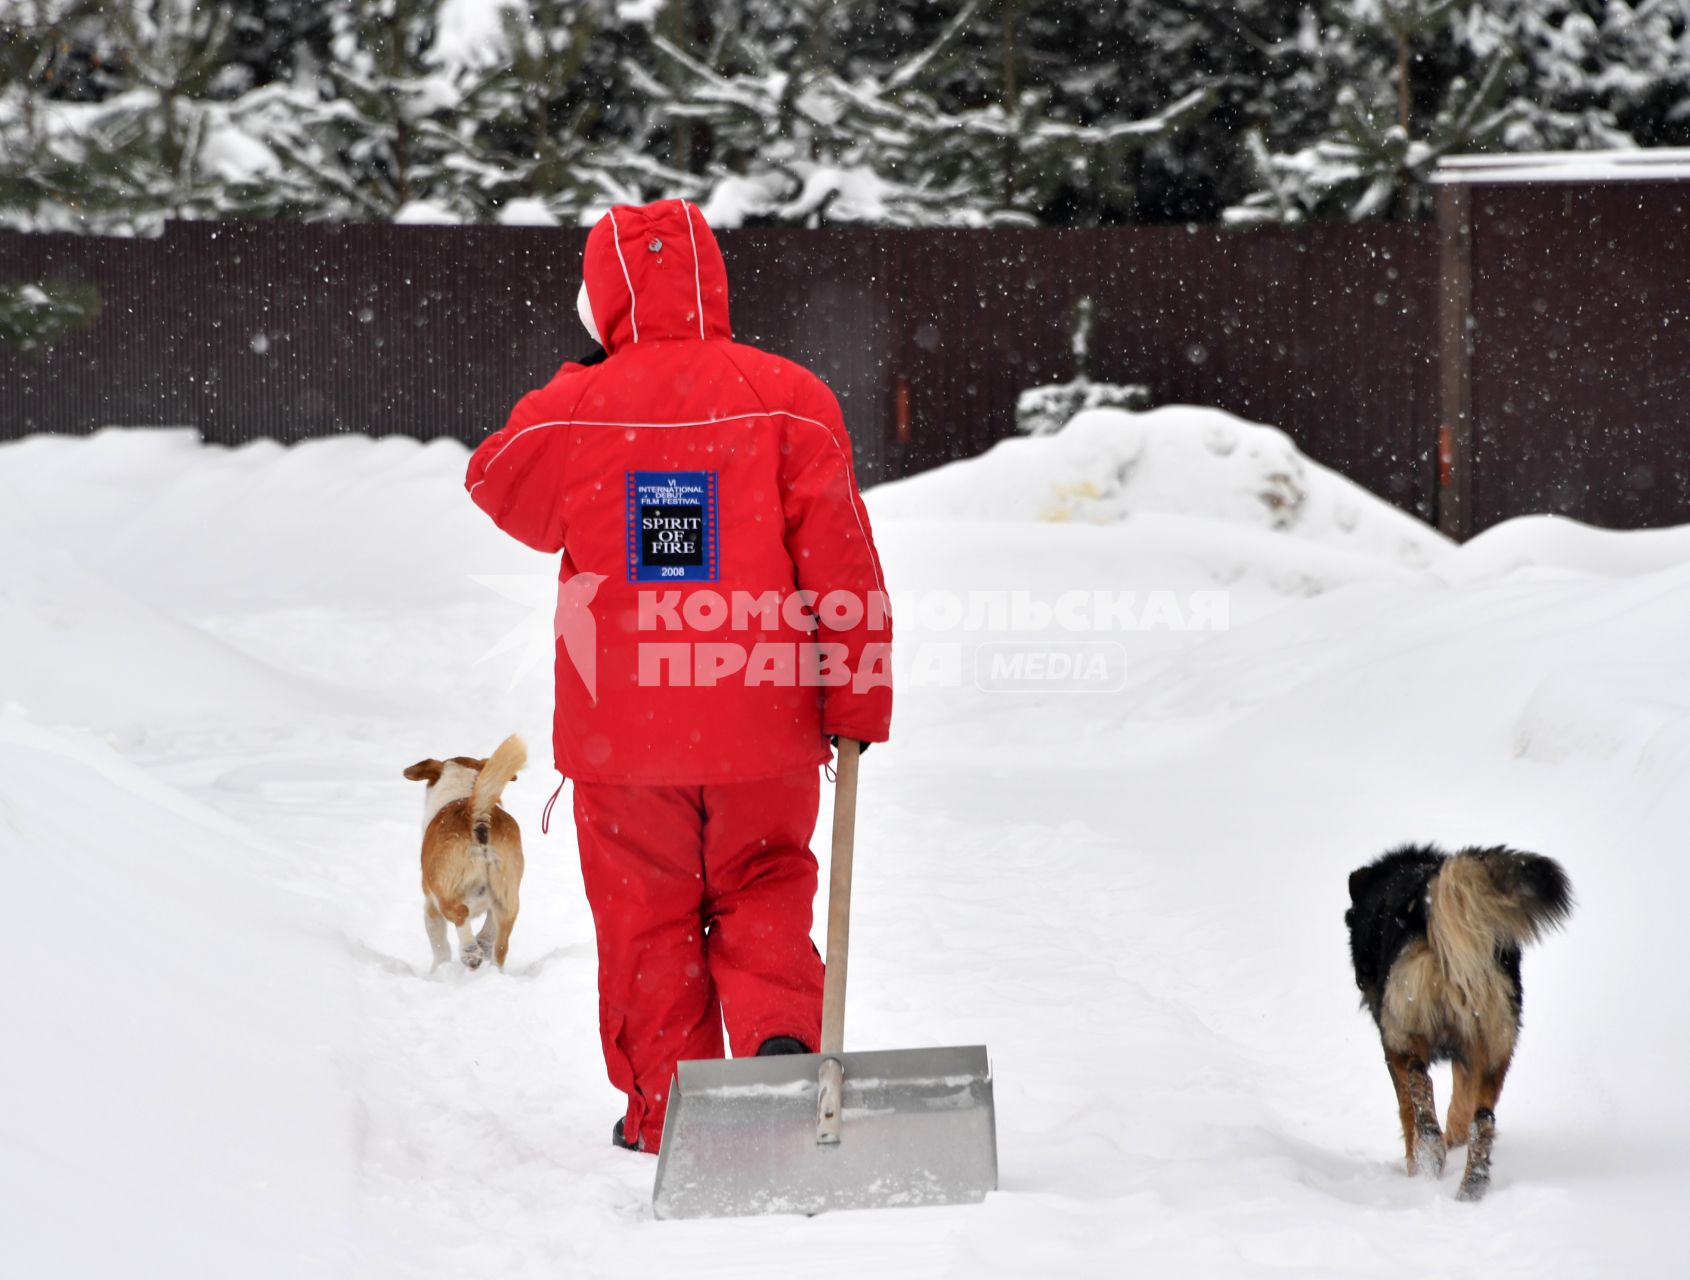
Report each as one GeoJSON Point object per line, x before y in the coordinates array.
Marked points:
{"type": "Point", "coordinates": [287, 331]}
{"type": "Point", "coordinates": [1328, 333]}
{"type": "Point", "coordinates": [1566, 350]}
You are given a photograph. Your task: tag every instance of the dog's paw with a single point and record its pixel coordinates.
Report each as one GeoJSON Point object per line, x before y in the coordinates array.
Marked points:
{"type": "Point", "coordinates": [1475, 1180]}
{"type": "Point", "coordinates": [472, 956]}
{"type": "Point", "coordinates": [1430, 1153]}
{"type": "Point", "coordinates": [1473, 1188]}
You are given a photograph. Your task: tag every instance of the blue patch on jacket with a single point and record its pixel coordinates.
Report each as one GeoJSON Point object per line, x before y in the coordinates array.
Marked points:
{"type": "Point", "coordinates": [673, 527]}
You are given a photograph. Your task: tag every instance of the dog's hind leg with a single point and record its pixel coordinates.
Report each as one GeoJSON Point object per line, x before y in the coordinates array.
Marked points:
{"type": "Point", "coordinates": [1426, 1141]}
{"type": "Point", "coordinates": [435, 923]}
{"type": "Point", "coordinates": [1482, 1133]}
{"type": "Point", "coordinates": [469, 952]}
{"type": "Point", "coordinates": [1405, 1112]}
{"type": "Point", "coordinates": [502, 940]}
{"type": "Point", "coordinates": [469, 946]}
{"type": "Point", "coordinates": [494, 939]}
{"type": "Point", "coordinates": [1460, 1105]}
{"type": "Point", "coordinates": [489, 931]}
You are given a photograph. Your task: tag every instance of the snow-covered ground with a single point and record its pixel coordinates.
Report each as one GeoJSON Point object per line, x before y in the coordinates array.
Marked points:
{"type": "Point", "coordinates": [224, 1055]}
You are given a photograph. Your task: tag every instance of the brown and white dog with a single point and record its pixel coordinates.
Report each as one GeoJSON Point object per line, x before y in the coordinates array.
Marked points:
{"type": "Point", "coordinates": [471, 852]}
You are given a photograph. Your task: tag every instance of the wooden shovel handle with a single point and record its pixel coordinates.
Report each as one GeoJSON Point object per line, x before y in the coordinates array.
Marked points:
{"type": "Point", "coordinates": [839, 897]}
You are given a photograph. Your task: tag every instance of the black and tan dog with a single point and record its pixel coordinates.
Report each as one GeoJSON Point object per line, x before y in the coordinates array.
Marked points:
{"type": "Point", "coordinates": [1436, 942]}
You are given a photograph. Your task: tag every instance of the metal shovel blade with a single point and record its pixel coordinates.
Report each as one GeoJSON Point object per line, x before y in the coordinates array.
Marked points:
{"type": "Point", "coordinates": [740, 1137]}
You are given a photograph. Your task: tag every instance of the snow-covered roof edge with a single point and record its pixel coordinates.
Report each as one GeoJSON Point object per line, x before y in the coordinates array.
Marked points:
{"type": "Point", "coordinates": [1642, 164]}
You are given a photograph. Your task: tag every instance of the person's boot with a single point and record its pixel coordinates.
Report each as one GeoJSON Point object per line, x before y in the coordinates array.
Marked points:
{"type": "Point", "coordinates": [777, 1046]}
{"type": "Point", "coordinates": [618, 1140]}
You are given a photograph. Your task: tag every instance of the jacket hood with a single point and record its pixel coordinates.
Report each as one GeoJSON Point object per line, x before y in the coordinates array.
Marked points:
{"type": "Point", "coordinates": [655, 273]}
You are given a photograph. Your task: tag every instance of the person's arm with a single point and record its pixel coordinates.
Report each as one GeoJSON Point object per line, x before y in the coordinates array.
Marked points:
{"type": "Point", "coordinates": [832, 549]}
{"type": "Point", "coordinates": [516, 476]}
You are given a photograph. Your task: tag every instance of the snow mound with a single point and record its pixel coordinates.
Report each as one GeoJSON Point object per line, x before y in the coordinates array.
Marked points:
{"type": "Point", "coordinates": [180, 1022]}
{"type": "Point", "coordinates": [121, 613]}
{"type": "Point", "coordinates": [347, 520]}
{"type": "Point", "coordinates": [1112, 465]}
{"type": "Point", "coordinates": [1555, 543]}
{"type": "Point", "coordinates": [83, 649]}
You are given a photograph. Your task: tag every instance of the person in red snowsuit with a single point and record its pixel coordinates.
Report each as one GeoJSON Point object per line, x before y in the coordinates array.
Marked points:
{"type": "Point", "coordinates": [721, 617]}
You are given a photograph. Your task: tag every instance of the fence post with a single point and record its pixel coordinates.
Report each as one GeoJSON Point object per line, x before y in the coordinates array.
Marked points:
{"type": "Point", "coordinates": [1453, 494]}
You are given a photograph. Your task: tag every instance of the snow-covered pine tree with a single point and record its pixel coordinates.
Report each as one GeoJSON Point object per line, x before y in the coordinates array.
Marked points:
{"type": "Point", "coordinates": [803, 127]}
{"type": "Point", "coordinates": [1592, 73]}
{"type": "Point", "coordinates": [1096, 65]}
{"type": "Point", "coordinates": [532, 136]}
{"type": "Point", "coordinates": [134, 151]}
{"type": "Point", "coordinates": [37, 48]}
{"type": "Point", "coordinates": [271, 41]}
{"type": "Point", "coordinates": [378, 145]}
{"type": "Point", "coordinates": [1043, 411]}
{"type": "Point", "coordinates": [1648, 70]}
{"type": "Point", "coordinates": [740, 109]}
{"type": "Point", "coordinates": [115, 114]}
{"type": "Point", "coordinates": [553, 114]}
{"type": "Point", "coordinates": [33, 316]}
{"type": "Point", "coordinates": [1015, 108]}
{"type": "Point", "coordinates": [1396, 109]}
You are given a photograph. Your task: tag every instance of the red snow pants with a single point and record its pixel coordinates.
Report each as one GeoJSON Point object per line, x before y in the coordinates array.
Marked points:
{"type": "Point", "coordinates": [701, 899]}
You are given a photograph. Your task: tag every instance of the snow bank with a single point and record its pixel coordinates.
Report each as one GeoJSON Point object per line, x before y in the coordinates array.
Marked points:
{"type": "Point", "coordinates": [83, 649]}
{"type": "Point", "coordinates": [122, 614]}
{"type": "Point", "coordinates": [1557, 543]}
{"type": "Point", "coordinates": [176, 1033]}
{"type": "Point", "coordinates": [1111, 465]}
{"type": "Point", "coordinates": [346, 520]}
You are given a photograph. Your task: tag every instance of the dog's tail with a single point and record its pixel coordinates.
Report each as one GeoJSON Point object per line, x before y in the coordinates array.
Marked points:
{"type": "Point", "coordinates": [501, 768]}
{"type": "Point", "coordinates": [1485, 900]}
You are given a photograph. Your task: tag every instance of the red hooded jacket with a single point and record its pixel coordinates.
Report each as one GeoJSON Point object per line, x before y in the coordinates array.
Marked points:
{"type": "Point", "coordinates": [721, 609]}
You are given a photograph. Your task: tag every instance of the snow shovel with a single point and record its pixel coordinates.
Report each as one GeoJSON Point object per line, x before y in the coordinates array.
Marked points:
{"type": "Point", "coordinates": [829, 1130]}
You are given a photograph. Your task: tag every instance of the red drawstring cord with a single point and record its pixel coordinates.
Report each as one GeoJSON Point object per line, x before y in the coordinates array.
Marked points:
{"type": "Point", "coordinates": [546, 815]}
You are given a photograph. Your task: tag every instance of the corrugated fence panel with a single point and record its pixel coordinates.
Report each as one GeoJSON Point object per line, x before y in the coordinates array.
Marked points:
{"type": "Point", "coordinates": [249, 330]}
{"type": "Point", "coordinates": [822, 298]}
{"type": "Point", "coordinates": [1580, 373]}
{"type": "Point", "coordinates": [1325, 332]}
